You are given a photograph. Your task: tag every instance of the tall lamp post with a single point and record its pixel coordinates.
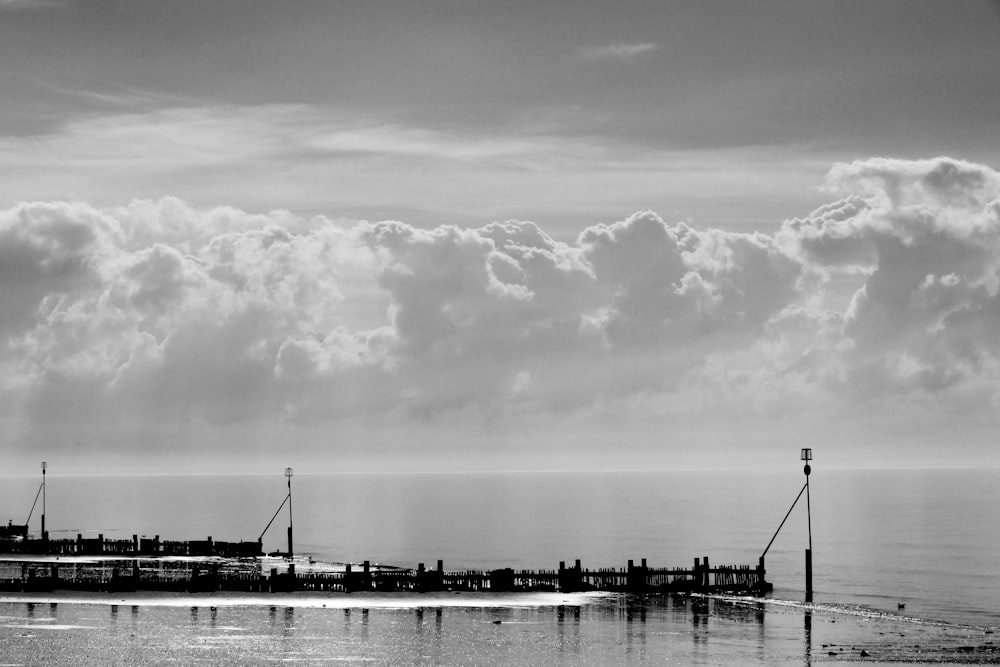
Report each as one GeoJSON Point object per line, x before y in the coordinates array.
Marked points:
{"type": "Point", "coordinates": [807, 455]}
{"type": "Point", "coordinates": [45, 535]}
{"type": "Point", "coordinates": [288, 474]}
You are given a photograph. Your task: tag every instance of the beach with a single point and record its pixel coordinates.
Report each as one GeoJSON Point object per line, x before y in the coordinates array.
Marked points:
{"type": "Point", "coordinates": [881, 538]}
{"type": "Point", "coordinates": [467, 628]}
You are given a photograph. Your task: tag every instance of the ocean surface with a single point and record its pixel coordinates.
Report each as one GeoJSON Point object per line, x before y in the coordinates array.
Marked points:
{"type": "Point", "coordinates": [929, 540]}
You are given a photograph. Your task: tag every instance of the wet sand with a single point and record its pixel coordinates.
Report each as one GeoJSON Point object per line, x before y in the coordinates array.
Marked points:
{"type": "Point", "coordinates": [464, 628]}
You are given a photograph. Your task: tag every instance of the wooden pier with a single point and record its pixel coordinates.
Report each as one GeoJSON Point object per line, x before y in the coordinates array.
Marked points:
{"type": "Point", "coordinates": [120, 574]}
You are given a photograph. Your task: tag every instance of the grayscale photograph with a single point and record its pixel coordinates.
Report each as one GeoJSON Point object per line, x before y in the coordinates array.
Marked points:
{"type": "Point", "coordinates": [499, 332]}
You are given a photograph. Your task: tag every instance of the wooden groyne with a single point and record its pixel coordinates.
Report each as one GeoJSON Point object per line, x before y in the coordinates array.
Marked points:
{"type": "Point", "coordinates": [142, 563]}
{"type": "Point", "coordinates": [246, 575]}
{"type": "Point", "coordinates": [137, 546]}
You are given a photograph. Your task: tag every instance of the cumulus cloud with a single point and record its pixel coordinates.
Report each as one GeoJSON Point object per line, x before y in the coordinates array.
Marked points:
{"type": "Point", "coordinates": [926, 238]}
{"type": "Point", "coordinates": [131, 321]}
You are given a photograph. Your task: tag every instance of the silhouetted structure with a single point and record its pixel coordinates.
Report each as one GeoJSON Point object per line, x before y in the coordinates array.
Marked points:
{"type": "Point", "coordinates": [12, 532]}
{"type": "Point", "coordinates": [245, 575]}
{"type": "Point", "coordinates": [288, 499]}
{"type": "Point", "coordinates": [144, 546]}
{"type": "Point", "coordinates": [137, 564]}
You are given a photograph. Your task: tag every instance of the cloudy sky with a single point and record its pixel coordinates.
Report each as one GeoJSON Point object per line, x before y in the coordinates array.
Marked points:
{"type": "Point", "coordinates": [460, 234]}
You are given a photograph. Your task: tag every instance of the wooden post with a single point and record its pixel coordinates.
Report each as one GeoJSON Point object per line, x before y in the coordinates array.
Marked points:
{"type": "Point", "coordinates": [809, 575]}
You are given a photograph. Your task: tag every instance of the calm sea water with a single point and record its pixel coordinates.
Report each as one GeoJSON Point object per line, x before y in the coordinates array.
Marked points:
{"type": "Point", "coordinates": [927, 539]}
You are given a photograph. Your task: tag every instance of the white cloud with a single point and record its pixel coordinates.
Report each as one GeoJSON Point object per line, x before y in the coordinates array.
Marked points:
{"type": "Point", "coordinates": [123, 324]}
{"type": "Point", "coordinates": [303, 157]}
{"type": "Point", "coordinates": [620, 51]}
{"type": "Point", "coordinates": [30, 5]}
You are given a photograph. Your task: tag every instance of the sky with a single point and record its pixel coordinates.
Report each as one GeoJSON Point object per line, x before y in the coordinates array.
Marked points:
{"type": "Point", "coordinates": [470, 235]}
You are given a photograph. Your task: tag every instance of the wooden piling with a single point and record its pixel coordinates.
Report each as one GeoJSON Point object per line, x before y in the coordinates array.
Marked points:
{"type": "Point", "coordinates": [635, 579]}
{"type": "Point", "coordinates": [809, 575]}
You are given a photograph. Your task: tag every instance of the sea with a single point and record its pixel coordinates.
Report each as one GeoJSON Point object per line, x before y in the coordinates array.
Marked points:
{"type": "Point", "coordinates": [906, 567]}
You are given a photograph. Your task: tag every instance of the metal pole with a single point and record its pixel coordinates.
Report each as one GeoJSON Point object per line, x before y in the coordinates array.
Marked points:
{"type": "Point", "coordinates": [276, 512]}
{"type": "Point", "coordinates": [288, 474]}
{"type": "Point", "coordinates": [807, 456]}
{"type": "Point", "coordinates": [45, 535]}
{"type": "Point", "coordinates": [787, 514]}
{"type": "Point", "coordinates": [809, 511]}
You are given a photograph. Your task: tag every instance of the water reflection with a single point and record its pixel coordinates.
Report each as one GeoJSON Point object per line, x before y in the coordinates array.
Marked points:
{"type": "Point", "coordinates": [679, 630]}
{"type": "Point", "coordinates": [639, 621]}
{"type": "Point", "coordinates": [635, 630]}
{"type": "Point", "coordinates": [808, 616]}
{"type": "Point", "coordinates": [429, 643]}
{"type": "Point", "coordinates": [569, 643]}
{"type": "Point", "coordinates": [699, 621]}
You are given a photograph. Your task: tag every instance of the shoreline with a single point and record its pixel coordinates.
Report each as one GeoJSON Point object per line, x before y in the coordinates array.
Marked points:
{"type": "Point", "coordinates": [822, 632]}
{"type": "Point", "coordinates": [312, 599]}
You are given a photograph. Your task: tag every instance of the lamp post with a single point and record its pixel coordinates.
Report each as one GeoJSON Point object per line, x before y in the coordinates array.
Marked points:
{"type": "Point", "coordinates": [807, 457]}
{"type": "Point", "coordinates": [288, 474]}
{"type": "Point", "coordinates": [45, 535]}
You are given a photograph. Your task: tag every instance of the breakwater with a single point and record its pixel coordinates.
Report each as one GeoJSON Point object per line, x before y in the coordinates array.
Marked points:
{"type": "Point", "coordinates": [137, 546]}
{"type": "Point", "coordinates": [248, 575]}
